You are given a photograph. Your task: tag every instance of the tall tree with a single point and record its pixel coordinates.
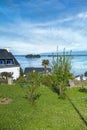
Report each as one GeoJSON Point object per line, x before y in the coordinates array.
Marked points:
{"type": "Point", "coordinates": [45, 63]}
{"type": "Point", "coordinates": [61, 67]}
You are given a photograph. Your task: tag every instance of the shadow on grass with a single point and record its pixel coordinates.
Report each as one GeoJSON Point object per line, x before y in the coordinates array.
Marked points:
{"type": "Point", "coordinates": [78, 112]}
{"type": "Point", "coordinates": [56, 90]}
{"type": "Point", "coordinates": [35, 97]}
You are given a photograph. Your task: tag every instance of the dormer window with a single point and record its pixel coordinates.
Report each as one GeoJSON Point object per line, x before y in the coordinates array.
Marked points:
{"type": "Point", "coordinates": [2, 61]}
{"type": "Point", "coordinates": [10, 61]}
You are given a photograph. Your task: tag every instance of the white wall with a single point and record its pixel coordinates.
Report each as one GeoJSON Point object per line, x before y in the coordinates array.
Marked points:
{"type": "Point", "coordinates": [14, 70]}
{"type": "Point", "coordinates": [78, 78]}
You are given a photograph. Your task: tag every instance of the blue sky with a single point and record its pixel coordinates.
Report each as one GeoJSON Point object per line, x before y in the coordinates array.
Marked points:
{"type": "Point", "coordinates": [35, 26]}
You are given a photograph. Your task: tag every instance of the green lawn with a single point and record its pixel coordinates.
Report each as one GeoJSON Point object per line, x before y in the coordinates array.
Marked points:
{"type": "Point", "coordinates": [49, 112]}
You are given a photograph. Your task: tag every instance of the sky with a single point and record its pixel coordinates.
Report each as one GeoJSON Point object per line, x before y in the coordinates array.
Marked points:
{"type": "Point", "coordinates": [38, 26]}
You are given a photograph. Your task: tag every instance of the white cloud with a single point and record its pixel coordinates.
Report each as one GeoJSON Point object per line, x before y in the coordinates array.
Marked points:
{"type": "Point", "coordinates": [26, 37]}
{"type": "Point", "coordinates": [82, 15]}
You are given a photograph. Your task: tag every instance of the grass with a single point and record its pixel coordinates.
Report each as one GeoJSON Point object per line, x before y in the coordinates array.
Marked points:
{"type": "Point", "coordinates": [49, 112]}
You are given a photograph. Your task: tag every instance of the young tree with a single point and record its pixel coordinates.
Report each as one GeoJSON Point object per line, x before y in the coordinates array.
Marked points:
{"type": "Point", "coordinates": [61, 67]}
{"type": "Point", "coordinates": [45, 63]}
{"type": "Point", "coordinates": [34, 83]}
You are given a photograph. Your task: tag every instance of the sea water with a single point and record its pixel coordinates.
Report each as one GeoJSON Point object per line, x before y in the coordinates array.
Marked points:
{"type": "Point", "coordinates": [78, 63]}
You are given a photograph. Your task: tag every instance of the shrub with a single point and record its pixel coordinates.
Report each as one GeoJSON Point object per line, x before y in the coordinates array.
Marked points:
{"type": "Point", "coordinates": [22, 80]}
{"type": "Point", "coordinates": [21, 72]}
{"type": "Point", "coordinates": [47, 80]}
{"type": "Point", "coordinates": [85, 73]}
{"type": "Point", "coordinates": [51, 82]}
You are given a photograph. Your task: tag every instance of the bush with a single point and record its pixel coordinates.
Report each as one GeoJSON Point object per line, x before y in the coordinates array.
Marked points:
{"type": "Point", "coordinates": [3, 81]}
{"type": "Point", "coordinates": [22, 80]}
{"type": "Point", "coordinates": [47, 80]}
{"type": "Point", "coordinates": [51, 82]}
{"type": "Point", "coordinates": [21, 72]}
{"type": "Point", "coordinates": [85, 73]}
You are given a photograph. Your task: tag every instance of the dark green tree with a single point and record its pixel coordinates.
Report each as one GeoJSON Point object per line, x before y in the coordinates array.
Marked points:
{"type": "Point", "coordinates": [45, 63]}
{"type": "Point", "coordinates": [85, 73]}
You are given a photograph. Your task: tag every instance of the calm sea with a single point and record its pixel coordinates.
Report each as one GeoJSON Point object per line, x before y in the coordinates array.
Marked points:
{"type": "Point", "coordinates": [79, 63]}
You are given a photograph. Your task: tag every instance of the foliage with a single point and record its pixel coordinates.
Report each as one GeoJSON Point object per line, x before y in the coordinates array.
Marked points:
{"type": "Point", "coordinates": [80, 83]}
{"type": "Point", "coordinates": [50, 81]}
{"type": "Point", "coordinates": [3, 81]}
{"type": "Point", "coordinates": [33, 84]}
{"type": "Point", "coordinates": [47, 80]}
{"type": "Point", "coordinates": [21, 80]}
{"type": "Point", "coordinates": [45, 63]}
{"type": "Point", "coordinates": [21, 72]}
{"type": "Point", "coordinates": [6, 74]}
{"type": "Point", "coordinates": [61, 67]}
{"type": "Point", "coordinates": [83, 89]}
{"type": "Point", "coordinates": [85, 73]}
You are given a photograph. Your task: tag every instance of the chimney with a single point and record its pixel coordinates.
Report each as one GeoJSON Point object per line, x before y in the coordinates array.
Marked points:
{"type": "Point", "coordinates": [7, 49]}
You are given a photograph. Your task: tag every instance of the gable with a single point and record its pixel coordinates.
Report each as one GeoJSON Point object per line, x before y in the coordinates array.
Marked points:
{"type": "Point", "coordinates": [7, 59]}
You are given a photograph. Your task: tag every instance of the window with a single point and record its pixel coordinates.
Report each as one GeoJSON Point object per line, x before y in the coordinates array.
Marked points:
{"type": "Point", "coordinates": [2, 62]}
{"type": "Point", "coordinates": [10, 61]}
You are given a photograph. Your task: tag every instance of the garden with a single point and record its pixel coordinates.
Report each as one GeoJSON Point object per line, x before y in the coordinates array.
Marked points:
{"type": "Point", "coordinates": [41, 101]}
{"type": "Point", "coordinates": [49, 111]}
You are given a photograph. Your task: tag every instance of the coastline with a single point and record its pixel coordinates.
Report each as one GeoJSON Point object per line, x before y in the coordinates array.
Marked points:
{"type": "Point", "coordinates": [79, 63]}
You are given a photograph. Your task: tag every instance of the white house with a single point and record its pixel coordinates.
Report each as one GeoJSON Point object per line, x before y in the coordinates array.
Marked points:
{"type": "Point", "coordinates": [80, 78]}
{"type": "Point", "coordinates": [8, 63]}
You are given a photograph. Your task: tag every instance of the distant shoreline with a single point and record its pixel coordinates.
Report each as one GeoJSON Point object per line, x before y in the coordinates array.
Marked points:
{"type": "Point", "coordinates": [63, 55]}
{"type": "Point", "coordinates": [78, 61]}
{"type": "Point", "coordinates": [33, 56]}
{"type": "Point", "coordinates": [41, 55]}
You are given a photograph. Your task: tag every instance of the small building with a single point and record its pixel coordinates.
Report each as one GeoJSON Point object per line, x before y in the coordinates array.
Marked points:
{"type": "Point", "coordinates": [80, 78]}
{"type": "Point", "coordinates": [8, 63]}
{"type": "Point", "coordinates": [36, 69]}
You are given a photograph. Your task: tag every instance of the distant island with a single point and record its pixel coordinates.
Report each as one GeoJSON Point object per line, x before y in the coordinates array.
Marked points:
{"type": "Point", "coordinates": [33, 56]}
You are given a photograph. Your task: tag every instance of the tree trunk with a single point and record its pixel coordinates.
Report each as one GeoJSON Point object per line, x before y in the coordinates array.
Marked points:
{"type": "Point", "coordinates": [45, 69]}
{"type": "Point", "coordinates": [60, 90]}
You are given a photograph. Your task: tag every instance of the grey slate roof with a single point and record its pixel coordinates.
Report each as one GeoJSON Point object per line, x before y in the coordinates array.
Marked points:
{"type": "Point", "coordinates": [4, 54]}
{"type": "Point", "coordinates": [36, 69]}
